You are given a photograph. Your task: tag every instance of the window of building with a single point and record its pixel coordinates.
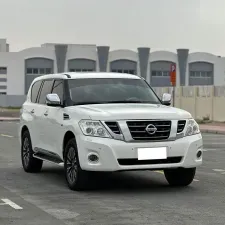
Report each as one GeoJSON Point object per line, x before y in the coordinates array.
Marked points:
{"type": "Point", "coordinates": [29, 71]}
{"type": "Point", "coordinates": [160, 73]}
{"type": "Point", "coordinates": [81, 70]}
{"type": "Point", "coordinates": [3, 79]}
{"type": "Point", "coordinates": [35, 90]}
{"type": "Point", "coordinates": [46, 89]}
{"type": "Point", "coordinates": [48, 70]}
{"type": "Point", "coordinates": [40, 71]}
{"type": "Point", "coordinates": [200, 74]}
{"type": "Point", "coordinates": [35, 71]}
{"type": "Point", "coordinates": [2, 93]}
{"type": "Point", "coordinates": [3, 70]}
{"type": "Point", "coordinates": [123, 71]}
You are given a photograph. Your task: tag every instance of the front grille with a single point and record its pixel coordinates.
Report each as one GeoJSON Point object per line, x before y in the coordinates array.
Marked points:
{"type": "Point", "coordinates": [132, 162]}
{"type": "Point", "coordinates": [181, 125]}
{"type": "Point", "coordinates": [138, 130]}
{"type": "Point", "coordinates": [113, 126]}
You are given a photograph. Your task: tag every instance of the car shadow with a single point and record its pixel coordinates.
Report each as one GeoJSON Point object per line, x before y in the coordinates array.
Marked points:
{"type": "Point", "coordinates": [131, 182]}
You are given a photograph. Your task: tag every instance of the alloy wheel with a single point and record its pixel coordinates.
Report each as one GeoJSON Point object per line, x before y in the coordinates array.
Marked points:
{"type": "Point", "coordinates": [72, 166]}
{"type": "Point", "coordinates": [26, 151]}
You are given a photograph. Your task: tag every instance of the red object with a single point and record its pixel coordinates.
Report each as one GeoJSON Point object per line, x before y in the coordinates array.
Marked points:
{"type": "Point", "coordinates": [173, 74]}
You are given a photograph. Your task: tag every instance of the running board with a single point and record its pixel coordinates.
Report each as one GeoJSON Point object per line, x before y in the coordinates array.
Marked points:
{"type": "Point", "coordinates": [49, 158]}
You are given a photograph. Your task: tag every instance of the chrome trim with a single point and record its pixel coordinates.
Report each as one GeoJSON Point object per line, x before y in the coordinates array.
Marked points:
{"type": "Point", "coordinates": [114, 136]}
{"type": "Point", "coordinates": [126, 135]}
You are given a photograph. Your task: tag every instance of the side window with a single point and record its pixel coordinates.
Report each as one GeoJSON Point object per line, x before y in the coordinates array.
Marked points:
{"type": "Point", "coordinates": [34, 91]}
{"type": "Point", "coordinates": [46, 89]}
{"type": "Point", "coordinates": [58, 88]}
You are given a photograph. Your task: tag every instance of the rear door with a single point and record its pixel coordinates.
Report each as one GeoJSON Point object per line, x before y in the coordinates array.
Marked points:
{"type": "Point", "coordinates": [30, 109]}
{"type": "Point", "coordinates": [42, 115]}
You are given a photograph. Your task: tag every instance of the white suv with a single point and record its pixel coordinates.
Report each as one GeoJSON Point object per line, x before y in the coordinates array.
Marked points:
{"type": "Point", "coordinates": [106, 122]}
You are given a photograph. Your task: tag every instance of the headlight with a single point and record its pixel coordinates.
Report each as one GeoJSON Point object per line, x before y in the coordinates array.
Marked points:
{"type": "Point", "coordinates": [93, 128]}
{"type": "Point", "coordinates": [192, 128]}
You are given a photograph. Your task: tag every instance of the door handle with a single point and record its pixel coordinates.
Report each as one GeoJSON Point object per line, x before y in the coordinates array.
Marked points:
{"type": "Point", "coordinates": [46, 113]}
{"type": "Point", "coordinates": [32, 111]}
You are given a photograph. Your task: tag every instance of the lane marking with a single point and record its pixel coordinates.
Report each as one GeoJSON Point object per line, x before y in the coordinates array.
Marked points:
{"type": "Point", "coordinates": [6, 135]}
{"type": "Point", "coordinates": [10, 203]}
{"type": "Point", "coordinates": [218, 170]}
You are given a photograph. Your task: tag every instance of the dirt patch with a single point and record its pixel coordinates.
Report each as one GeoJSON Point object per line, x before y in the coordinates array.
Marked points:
{"type": "Point", "coordinates": [9, 112]}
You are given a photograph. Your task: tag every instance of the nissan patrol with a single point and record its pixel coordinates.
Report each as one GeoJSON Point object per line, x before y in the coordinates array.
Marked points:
{"type": "Point", "coordinates": [106, 122]}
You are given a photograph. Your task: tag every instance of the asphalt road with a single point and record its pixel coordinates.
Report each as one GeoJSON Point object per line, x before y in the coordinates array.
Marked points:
{"type": "Point", "coordinates": [120, 198]}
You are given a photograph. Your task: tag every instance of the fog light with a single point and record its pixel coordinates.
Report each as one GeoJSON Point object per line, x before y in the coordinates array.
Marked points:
{"type": "Point", "coordinates": [93, 158]}
{"type": "Point", "coordinates": [199, 154]}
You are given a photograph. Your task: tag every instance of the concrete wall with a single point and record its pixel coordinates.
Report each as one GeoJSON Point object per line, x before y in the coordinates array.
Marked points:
{"type": "Point", "coordinates": [201, 102]}
{"type": "Point", "coordinates": [12, 100]}
{"type": "Point", "coordinates": [143, 62]}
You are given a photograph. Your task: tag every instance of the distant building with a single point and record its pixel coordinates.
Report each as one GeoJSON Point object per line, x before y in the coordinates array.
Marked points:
{"type": "Point", "coordinates": [18, 69]}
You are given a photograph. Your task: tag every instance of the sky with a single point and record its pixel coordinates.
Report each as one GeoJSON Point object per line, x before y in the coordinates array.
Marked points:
{"type": "Point", "coordinates": [122, 24]}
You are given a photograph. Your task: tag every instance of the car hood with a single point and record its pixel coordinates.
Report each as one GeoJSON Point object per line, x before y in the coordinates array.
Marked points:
{"type": "Point", "coordinates": [130, 111]}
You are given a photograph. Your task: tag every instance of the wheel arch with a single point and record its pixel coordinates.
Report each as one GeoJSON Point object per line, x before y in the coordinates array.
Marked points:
{"type": "Point", "coordinates": [24, 128]}
{"type": "Point", "coordinates": [68, 135]}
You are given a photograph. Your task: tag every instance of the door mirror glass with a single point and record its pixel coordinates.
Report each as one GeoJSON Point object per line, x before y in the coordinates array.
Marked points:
{"type": "Point", "coordinates": [166, 99]}
{"type": "Point", "coordinates": [53, 100]}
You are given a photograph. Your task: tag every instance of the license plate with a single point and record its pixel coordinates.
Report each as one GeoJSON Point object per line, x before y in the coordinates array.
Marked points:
{"type": "Point", "coordinates": [152, 153]}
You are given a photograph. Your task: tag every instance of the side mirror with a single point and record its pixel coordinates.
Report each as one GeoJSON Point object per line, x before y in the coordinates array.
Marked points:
{"type": "Point", "coordinates": [53, 100]}
{"type": "Point", "coordinates": [166, 99]}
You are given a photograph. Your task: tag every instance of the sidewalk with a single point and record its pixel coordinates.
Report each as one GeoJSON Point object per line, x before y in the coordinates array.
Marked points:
{"type": "Point", "coordinates": [213, 128]}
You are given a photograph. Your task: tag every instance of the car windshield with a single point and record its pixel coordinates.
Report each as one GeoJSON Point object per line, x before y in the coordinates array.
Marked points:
{"type": "Point", "coordinates": [111, 90]}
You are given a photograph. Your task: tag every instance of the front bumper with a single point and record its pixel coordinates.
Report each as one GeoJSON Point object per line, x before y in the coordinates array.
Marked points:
{"type": "Point", "coordinates": [115, 155]}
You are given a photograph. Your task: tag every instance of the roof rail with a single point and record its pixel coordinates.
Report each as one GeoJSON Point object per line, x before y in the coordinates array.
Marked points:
{"type": "Point", "coordinates": [68, 76]}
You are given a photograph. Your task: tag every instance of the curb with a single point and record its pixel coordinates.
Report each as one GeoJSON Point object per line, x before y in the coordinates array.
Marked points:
{"type": "Point", "coordinates": [212, 131]}
{"type": "Point", "coordinates": [9, 119]}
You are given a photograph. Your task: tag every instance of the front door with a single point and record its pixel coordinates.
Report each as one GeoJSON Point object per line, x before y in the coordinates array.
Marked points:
{"type": "Point", "coordinates": [55, 129]}
{"type": "Point", "coordinates": [42, 117]}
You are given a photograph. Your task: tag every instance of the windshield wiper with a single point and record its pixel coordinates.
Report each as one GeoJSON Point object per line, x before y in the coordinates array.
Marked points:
{"type": "Point", "coordinates": [87, 103]}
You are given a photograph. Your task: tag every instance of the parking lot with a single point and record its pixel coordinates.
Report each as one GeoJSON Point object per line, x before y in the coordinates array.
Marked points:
{"type": "Point", "coordinates": [118, 198]}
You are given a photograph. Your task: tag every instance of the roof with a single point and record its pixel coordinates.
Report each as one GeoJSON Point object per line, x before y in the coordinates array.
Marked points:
{"type": "Point", "coordinates": [87, 75]}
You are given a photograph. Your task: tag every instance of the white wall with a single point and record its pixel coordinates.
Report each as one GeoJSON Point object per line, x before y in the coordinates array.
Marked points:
{"type": "Point", "coordinates": [123, 54]}
{"type": "Point", "coordinates": [82, 51]}
{"type": "Point", "coordinates": [3, 45]}
{"type": "Point", "coordinates": [165, 56]}
{"type": "Point", "coordinates": [15, 62]}
{"type": "Point", "coordinates": [219, 65]}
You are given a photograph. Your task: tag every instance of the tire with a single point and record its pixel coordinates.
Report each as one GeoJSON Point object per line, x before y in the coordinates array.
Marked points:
{"type": "Point", "coordinates": [76, 178]}
{"type": "Point", "coordinates": [30, 164]}
{"type": "Point", "coordinates": [180, 176]}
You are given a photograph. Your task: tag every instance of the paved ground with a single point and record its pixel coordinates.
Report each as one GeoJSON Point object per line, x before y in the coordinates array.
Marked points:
{"type": "Point", "coordinates": [121, 198]}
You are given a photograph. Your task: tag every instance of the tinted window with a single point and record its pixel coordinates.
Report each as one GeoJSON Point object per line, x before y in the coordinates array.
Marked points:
{"type": "Point", "coordinates": [34, 91]}
{"type": "Point", "coordinates": [58, 88]}
{"type": "Point", "coordinates": [46, 89]}
{"type": "Point", "coordinates": [103, 90]}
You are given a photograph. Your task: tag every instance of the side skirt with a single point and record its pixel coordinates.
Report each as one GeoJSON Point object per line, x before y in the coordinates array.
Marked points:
{"type": "Point", "coordinates": [48, 156]}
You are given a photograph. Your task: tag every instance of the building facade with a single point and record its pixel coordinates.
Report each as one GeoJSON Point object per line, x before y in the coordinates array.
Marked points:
{"type": "Point", "coordinates": [18, 69]}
